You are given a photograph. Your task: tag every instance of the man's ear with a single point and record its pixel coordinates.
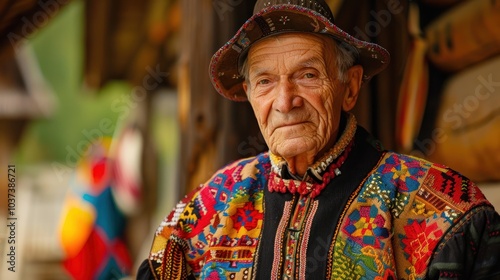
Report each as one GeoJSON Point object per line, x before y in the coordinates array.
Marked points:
{"type": "Point", "coordinates": [353, 84]}
{"type": "Point", "coordinates": [245, 87]}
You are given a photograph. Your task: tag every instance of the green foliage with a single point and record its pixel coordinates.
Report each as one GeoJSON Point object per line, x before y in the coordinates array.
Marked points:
{"type": "Point", "coordinates": [59, 48]}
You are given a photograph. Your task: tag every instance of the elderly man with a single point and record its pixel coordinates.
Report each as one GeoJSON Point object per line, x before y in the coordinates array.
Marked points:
{"type": "Point", "coordinates": [326, 202]}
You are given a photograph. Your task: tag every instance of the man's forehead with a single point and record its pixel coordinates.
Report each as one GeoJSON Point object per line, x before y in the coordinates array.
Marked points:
{"type": "Point", "coordinates": [308, 60]}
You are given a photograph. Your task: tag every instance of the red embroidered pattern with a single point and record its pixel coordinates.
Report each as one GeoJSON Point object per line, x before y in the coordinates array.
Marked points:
{"type": "Point", "coordinates": [246, 217]}
{"type": "Point", "coordinates": [420, 241]}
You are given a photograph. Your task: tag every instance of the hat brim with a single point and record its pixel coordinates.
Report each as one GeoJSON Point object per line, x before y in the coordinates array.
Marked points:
{"type": "Point", "coordinates": [279, 19]}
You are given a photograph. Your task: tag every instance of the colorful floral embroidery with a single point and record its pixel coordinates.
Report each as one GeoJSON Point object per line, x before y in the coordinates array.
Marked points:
{"type": "Point", "coordinates": [366, 226]}
{"type": "Point", "coordinates": [403, 172]}
{"type": "Point", "coordinates": [246, 217]}
{"type": "Point", "coordinates": [419, 241]}
{"type": "Point", "coordinates": [398, 215]}
{"type": "Point", "coordinates": [400, 184]}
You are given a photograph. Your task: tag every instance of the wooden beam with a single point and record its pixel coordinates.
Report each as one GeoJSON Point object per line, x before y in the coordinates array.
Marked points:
{"type": "Point", "coordinates": [214, 131]}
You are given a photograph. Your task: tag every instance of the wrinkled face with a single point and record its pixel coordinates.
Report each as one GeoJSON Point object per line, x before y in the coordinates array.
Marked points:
{"type": "Point", "coordinates": [295, 93]}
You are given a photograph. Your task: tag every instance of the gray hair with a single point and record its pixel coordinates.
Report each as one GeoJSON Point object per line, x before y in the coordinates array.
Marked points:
{"type": "Point", "coordinates": [347, 55]}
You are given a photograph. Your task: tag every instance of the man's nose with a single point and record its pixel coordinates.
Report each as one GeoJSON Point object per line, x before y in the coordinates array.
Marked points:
{"type": "Point", "coordinates": [287, 96]}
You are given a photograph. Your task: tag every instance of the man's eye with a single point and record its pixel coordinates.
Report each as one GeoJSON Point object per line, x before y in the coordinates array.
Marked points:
{"type": "Point", "coordinates": [263, 82]}
{"type": "Point", "coordinates": [309, 75]}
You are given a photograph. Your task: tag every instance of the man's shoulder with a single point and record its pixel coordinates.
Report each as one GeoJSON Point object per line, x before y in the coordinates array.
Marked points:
{"type": "Point", "coordinates": [243, 176]}
{"type": "Point", "coordinates": [426, 200]}
{"type": "Point", "coordinates": [432, 183]}
{"type": "Point", "coordinates": [239, 181]}
{"type": "Point", "coordinates": [242, 171]}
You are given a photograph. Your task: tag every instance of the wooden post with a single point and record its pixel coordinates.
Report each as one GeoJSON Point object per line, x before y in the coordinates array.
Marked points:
{"type": "Point", "coordinates": [214, 131]}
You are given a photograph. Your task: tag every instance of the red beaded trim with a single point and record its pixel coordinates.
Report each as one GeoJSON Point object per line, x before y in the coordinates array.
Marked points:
{"type": "Point", "coordinates": [277, 184]}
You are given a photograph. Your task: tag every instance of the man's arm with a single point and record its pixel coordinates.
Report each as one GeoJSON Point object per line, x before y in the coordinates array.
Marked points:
{"type": "Point", "coordinates": [471, 249]}
{"type": "Point", "coordinates": [167, 257]}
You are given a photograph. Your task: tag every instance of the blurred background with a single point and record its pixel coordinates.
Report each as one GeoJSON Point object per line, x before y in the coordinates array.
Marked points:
{"type": "Point", "coordinates": [108, 116]}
